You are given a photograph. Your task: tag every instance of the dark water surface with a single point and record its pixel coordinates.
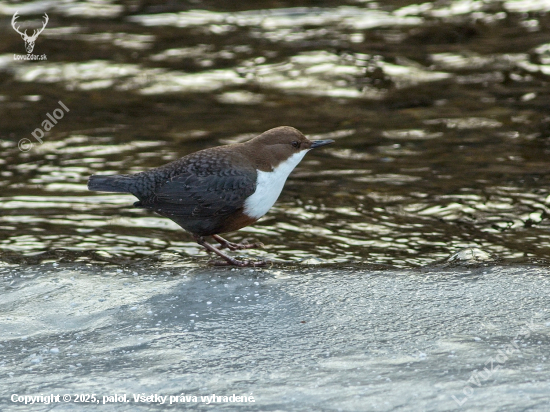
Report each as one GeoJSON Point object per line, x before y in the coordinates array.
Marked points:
{"type": "Point", "coordinates": [440, 112]}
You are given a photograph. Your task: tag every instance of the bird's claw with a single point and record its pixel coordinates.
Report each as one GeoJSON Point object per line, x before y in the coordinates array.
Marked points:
{"type": "Point", "coordinates": [241, 246]}
{"type": "Point", "coordinates": [240, 263]}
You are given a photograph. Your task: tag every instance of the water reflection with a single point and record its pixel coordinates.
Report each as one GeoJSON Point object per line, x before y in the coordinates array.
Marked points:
{"type": "Point", "coordinates": [316, 73]}
{"type": "Point", "coordinates": [273, 19]}
{"type": "Point", "coordinates": [441, 126]}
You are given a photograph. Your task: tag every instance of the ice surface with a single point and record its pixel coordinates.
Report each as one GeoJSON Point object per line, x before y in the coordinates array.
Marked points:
{"type": "Point", "coordinates": [300, 339]}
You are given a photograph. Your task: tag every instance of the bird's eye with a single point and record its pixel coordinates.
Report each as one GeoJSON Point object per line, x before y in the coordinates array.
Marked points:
{"type": "Point", "coordinates": [295, 144]}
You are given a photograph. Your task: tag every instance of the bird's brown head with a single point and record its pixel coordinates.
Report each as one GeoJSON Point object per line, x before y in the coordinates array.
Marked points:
{"type": "Point", "coordinates": [277, 145]}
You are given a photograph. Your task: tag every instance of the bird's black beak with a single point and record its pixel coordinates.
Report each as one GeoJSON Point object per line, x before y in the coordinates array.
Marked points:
{"type": "Point", "coordinates": [319, 143]}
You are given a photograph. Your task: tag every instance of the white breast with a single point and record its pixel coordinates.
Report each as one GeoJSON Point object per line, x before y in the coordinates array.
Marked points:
{"type": "Point", "coordinates": [269, 186]}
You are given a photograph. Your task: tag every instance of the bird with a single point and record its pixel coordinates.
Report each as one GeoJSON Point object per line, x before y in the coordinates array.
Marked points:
{"type": "Point", "coordinates": [220, 189]}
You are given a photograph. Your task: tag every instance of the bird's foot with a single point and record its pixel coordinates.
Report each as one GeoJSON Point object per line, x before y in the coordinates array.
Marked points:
{"type": "Point", "coordinates": [237, 246]}
{"type": "Point", "coordinates": [227, 260]}
{"type": "Point", "coordinates": [241, 246]}
{"type": "Point", "coordinates": [240, 263]}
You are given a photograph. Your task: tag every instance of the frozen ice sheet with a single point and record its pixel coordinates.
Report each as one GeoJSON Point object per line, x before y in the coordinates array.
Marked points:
{"type": "Point", "coordinates": [300, 339]}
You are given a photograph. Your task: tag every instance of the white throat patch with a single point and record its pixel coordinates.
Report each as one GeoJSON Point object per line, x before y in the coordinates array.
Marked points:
{"type": "Point", "coordinates": [269, 186]}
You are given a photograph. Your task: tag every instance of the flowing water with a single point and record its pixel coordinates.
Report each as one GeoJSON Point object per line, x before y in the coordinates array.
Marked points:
{"type": "Point", "coordinates": [439, 112]}
{"type": "Point", "coordinates": [440, 116]}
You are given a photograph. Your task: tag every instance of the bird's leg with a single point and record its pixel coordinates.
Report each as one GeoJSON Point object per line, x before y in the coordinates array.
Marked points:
{"type": "Point", "coordinates": [236, 246]}
{"type": "Point", "coordinates": [228, 259]}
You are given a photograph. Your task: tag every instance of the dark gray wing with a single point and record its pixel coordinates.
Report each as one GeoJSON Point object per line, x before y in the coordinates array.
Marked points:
{"type": "Point", "coordinates": [218, 192]}
{"type": "Point", "coordinates": [211, 195]}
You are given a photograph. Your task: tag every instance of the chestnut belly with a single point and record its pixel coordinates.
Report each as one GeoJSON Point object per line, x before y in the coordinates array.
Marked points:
{"type": "Point", "coordinates": [206, 226]}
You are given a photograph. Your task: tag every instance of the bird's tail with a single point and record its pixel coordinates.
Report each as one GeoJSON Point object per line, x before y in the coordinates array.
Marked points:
{"type": "Point", "coordinates": [116, 183]}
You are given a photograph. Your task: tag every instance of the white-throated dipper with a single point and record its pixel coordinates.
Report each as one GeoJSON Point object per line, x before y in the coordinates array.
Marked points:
{"type": "Point", "coordinates": [218, 190]}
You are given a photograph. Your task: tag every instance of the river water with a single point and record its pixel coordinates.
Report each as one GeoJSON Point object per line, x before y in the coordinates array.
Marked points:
{"type": "Point", "coordinates": [439, 112]}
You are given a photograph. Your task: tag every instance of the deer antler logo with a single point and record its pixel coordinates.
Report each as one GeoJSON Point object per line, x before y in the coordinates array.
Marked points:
{"type": "Point", "coordinates": [29, 40]}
